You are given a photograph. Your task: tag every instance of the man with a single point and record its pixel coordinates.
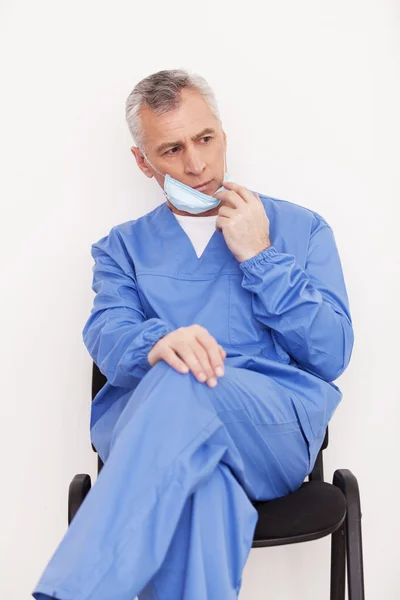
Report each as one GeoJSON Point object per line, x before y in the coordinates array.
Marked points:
{"type": "Point", "coordinates": [220, 320]}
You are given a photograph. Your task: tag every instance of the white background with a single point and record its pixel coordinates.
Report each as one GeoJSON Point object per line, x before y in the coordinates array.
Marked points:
{"type": "Point", "coordinates": [309, 96]}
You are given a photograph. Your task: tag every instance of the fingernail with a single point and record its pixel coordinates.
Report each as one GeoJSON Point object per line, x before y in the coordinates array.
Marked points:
{"type": "Point", "coordinates": [219, 371]}
{"type": "Point", "coordinates": [212, 382]}
{"type": "Point", "coordinates": [202, 377]}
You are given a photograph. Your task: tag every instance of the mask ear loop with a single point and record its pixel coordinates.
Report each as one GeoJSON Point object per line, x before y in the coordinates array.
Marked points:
{"type": "Point", "coordinates": [153, 167]}
{"type": "Point", "coordinates": [224, 173]}
{"type": "Point", "coordinates": [162, 175]}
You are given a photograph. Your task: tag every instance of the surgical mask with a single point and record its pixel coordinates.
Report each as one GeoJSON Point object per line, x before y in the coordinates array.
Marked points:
{"type": "Point", "coordinates": [187, 199]}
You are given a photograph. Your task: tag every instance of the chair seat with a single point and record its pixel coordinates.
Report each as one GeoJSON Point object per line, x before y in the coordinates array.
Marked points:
{"type": "Point", "coordinates": [316, 509]}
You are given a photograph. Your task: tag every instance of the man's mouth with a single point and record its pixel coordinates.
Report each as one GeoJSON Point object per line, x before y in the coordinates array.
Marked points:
{"type": "Point", "coordinates": [202, 186]}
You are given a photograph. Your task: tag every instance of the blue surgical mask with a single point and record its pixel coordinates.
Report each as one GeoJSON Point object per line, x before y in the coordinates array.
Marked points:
{"type": "Point", "coordinates": [187, 199]}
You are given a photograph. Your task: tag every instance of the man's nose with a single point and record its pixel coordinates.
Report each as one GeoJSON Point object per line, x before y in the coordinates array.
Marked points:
{"type": "Point", "coordinates": [194, 163]}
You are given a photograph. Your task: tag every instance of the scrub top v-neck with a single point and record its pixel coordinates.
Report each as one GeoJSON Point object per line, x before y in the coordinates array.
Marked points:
{"type": "Point", "coordinates": [199, 230]}
{"type": "Point", "coordinates": [170, 251]}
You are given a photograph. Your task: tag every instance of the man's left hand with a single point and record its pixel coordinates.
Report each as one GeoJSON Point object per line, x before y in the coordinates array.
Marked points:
{"type": "Point", "coordinates": [243, 221]}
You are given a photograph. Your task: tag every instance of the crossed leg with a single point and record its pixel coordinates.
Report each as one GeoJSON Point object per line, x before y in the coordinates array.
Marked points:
{"type": "Point", "coordinates": [170, 515]}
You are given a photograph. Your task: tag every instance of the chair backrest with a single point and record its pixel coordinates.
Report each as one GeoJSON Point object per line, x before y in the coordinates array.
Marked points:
{"type": "Point", "coordinates": [99, 380]}
{"type": "Point", "coordinates": [326, 440]}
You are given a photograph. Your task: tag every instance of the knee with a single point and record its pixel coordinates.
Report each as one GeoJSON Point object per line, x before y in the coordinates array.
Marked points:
{"type": "Point", "coordinates": [163, 370]}
{"type": "Point", "coordinates": [177, 390]}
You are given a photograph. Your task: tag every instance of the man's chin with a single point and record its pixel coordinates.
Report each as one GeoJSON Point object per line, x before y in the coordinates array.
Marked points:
{"type": "Point", "coordinates": [214, 188]}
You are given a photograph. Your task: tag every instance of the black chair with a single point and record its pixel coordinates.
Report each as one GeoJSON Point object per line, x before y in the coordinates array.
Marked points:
{"type": "Point", "coordinates": [315, 510]}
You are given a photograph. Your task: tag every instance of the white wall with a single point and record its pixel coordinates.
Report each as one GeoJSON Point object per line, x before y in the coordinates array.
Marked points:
{"type": "Point", "coordinates": [309, 93]}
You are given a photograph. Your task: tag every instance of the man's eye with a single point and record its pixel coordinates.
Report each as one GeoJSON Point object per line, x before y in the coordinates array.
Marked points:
{"type": "Point", "coordinates": [207, 138]}
{"type": "Point", "coordinates": [171, 150]}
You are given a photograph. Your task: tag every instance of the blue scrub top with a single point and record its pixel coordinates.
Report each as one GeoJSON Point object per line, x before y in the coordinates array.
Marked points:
{"type": "Point", "coordinates": [284, 312]}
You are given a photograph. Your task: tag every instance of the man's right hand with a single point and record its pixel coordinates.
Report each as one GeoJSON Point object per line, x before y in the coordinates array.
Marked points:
{"type": "Point", "coordinates": [191, 349]}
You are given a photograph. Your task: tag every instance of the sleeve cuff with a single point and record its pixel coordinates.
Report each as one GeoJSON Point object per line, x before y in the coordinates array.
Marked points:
{"type": "Point", "coordinates": [152, 337]}
{"type": "Point", "coordinates": [149, 337]}
{"type": "Point", "coordinates": [259, 259]}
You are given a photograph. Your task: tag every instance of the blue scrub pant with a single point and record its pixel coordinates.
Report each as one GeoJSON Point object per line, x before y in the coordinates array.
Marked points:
{"type": "Point", "coordinates": [169, 516]}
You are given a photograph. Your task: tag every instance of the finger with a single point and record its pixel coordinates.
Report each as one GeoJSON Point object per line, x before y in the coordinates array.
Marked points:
{"type": "Point", "coordinates": [220, 223]}
{"type": "Point", "coordinates": [230, 198]}
{"type": "Point", "coordinates": [170, 357]}
{"type": "Point", "coordinates": [226, 211]}
{"type": "Point", "coordinates": [212, 348]}
{"type": "Point", "coordinates": [203, 358]}
{"type": "Point", "coordinates": [217, 360]}
{"type": "Point", "coordinates": [240, 190]}
{"type": "Point", "coordinates": [222, 352]}
{"type": "Point", "coordinates": [186, 353]}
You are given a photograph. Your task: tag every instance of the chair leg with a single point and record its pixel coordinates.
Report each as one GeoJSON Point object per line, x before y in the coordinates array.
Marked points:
{"type": "Point", "coordinates": [355, 568]}
{"type": "Point", "coordinates": [346, 481]}
{"type": "Point", "coordinates": [338, 564]}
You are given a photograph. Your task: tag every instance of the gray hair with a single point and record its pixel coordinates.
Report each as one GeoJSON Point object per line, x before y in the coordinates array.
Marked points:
{"type": "Point", "coordinates": [161, 92]}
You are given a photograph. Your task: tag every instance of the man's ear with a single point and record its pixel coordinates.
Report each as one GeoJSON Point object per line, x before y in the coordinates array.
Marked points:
{"type": "Point", "coordinates": [141, 161]}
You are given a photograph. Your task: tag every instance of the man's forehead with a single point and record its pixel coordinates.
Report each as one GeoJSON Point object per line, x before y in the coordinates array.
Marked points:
{"type": "Point", "coordinates": [187, 121]}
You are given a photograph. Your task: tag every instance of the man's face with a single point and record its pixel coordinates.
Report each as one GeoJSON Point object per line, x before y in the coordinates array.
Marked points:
{"type": "Point", "coordinates": [187, 143]}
